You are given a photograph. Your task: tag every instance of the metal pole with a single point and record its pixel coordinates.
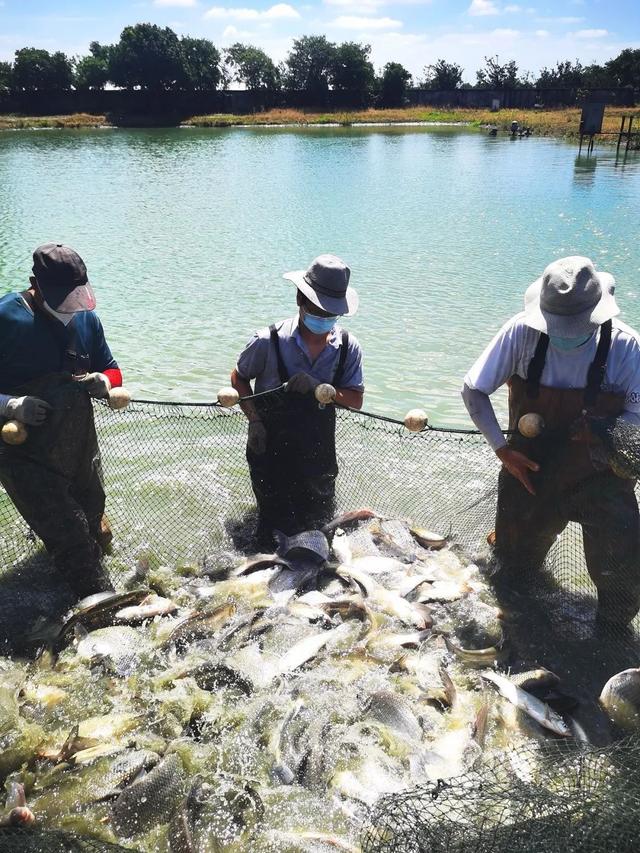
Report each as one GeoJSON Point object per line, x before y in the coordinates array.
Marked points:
{"type": "Point", "coordinates": [622, 121]}
{"type": "Point", "coordinates": [628, 136]}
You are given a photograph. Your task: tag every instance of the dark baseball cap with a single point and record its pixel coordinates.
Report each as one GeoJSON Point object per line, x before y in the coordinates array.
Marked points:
{"type": "Point", "coordinates": [62, 278]}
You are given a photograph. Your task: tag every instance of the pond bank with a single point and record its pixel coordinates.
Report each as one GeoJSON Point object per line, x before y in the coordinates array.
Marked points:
{"type": "Point", "coordinates": [560, 123]}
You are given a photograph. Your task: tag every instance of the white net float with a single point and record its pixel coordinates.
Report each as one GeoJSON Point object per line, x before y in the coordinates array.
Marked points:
{"type": "Point", "coordinates": [416, 420]}
{"type": "Point", "coordinates": [119, 398]}
{"type": "Point", "coordinates": [531, 425]}
{"type": "Point", "coordinates": [325, 393]}
{"type": "Point", "coordinates": [228, 397]}
{"type": "Point", "coordinates": [14, 432]}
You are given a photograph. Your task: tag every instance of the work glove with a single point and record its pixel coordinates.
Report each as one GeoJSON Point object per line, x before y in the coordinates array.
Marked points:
{"type": "Point", "coordinates": [96, 384]}
{"type": "Point", "coordinates": [27, 410]}
{"type": "Point", "coordinates": [257, 440]}
{"type": "Point", "coordinates": [302, 383]}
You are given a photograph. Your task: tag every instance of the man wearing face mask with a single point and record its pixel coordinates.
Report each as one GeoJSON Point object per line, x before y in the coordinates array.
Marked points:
{"type": "Point", "coordinates": [53, 359]}
{"type": "Point", "coordinates": [291, 444]}
{"type": "Point", "coordinates": [569, 359]}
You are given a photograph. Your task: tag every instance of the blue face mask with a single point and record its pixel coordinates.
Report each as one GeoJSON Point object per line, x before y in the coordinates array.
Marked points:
{"type": "Point", "coordinates": [318, 325]}
{"type": "Point", "coordinates": [569, 343]}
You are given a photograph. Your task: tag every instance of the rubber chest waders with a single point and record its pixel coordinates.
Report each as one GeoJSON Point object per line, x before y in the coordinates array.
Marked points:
{"type": "Point", "coordinates": [568, 488]}
{"type": "Point", "coordinates": [294, 480]}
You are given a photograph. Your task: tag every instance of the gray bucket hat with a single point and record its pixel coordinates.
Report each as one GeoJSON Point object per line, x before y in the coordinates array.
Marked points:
{"type": "Point", "coordinates": [570, 298]}
{"type": "Point", "coordinates": [326, 284]}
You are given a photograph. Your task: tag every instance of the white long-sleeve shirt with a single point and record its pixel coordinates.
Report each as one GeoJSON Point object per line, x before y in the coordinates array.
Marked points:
{"type": "Point", "coordinates": [510, 353]}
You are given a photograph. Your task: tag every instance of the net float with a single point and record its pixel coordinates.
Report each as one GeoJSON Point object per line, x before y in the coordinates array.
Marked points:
{"type": "Point", "coordinates": [14, 432]}
{"type": "Point", "coordinates": [531, 425]}
{"type": "Point", "coordinates": [118, 398]}
{"type": "Point", "coordinates": [228, 397]}
{"type": "Point", "coordinates": [325, 393]}
{"type": "Point", "coordinates": [416, 420]}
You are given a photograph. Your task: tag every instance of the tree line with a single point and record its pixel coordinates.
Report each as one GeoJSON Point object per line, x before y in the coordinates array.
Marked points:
{"type": "Point", "coordinates": [155, 59]}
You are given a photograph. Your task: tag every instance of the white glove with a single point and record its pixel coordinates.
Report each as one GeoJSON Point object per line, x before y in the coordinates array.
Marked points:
{"type": "Point", "coordinates": [96, 384]}
{"type": "Point", "coordinates": [27, 410]}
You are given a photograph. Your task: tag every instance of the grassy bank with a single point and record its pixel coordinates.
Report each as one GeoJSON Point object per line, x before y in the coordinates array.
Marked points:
{"type": "Point", "coordinates": [561, 122]}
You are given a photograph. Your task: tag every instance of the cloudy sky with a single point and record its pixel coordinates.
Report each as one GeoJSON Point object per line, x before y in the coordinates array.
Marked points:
{"type": "Point", "coordinates": [414, 32]}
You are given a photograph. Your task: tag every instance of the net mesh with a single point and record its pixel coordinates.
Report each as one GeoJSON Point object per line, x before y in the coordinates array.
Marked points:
{"type": "Point", "coordinates": [19, 840]}
{"type": "Point", "coordinates": [179, 494]}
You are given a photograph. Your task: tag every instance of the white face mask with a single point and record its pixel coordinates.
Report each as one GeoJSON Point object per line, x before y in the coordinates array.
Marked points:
{"type": "Point", "coordinates": [65, 319]}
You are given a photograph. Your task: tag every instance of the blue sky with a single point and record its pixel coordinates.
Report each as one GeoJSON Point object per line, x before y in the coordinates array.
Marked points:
{"type": "Point", "coordinates": [414, 32]}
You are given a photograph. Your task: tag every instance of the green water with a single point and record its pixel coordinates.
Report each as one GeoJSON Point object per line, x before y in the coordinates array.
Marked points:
{"type": "Point", "coordinates": [186, 234]}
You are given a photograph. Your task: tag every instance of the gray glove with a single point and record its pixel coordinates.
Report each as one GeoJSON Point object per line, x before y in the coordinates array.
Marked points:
{"type": "Point", "coordinates": [27, 410]}
{"type": "Point", "coordinates": [96, 384]}
{"type": "Point", "coordinates": [257, 440]}
{"type": "Point", "coordinates": [302, 383]}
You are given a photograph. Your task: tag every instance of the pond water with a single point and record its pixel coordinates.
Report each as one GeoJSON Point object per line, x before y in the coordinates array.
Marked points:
{"type": "Point", "coordinates": [186, 234]}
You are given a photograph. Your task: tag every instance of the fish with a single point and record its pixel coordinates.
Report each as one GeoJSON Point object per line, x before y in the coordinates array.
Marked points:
{"type": "Point", "coordinates": [474, 657]}
{"type": "Point", "coordinates": [535, 679]}
{"type": "Point", "coordinates": [417, 615]}
{"type": "Point", "coordinates": [121, 647]}
{"type": "Point", "coordinates": [151, 798]}
{"type": "Point", "coordinates": [428, 539]}
{"type": "Point", "coordinates": [391, 710]}
{"type": "Point", "coordinates": [195, 626]}
{"type": "Point", "coordinates": [349, 518]}
{"type": "Point", "coordinates": [394, 540]}
{"type": "Point", "coordinates": [303, 651]}
{"type": "Point", "coordinates": [97, 611]}
{"type": "Point", "coordinates": [534, 708]}
{"type": "Point", "coordinates": [620, 698]}
{"type": "Point", "coordinates": [617, 446]}
{"type": "Point", "coordinates": [308, 545]}
{"type": "Point", "coordinates": [151, 606]}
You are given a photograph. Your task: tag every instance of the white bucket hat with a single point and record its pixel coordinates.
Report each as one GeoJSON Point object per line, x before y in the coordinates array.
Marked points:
{"type": "Point", "coordinates": [570, 298]}
{"type": "Point", "coordinates": [326, 284]}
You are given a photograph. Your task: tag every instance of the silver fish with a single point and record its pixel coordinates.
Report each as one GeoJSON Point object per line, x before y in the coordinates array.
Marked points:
{"type": "Point", "coordinates": [150, 799]}
{"type": "Point", "coordinates": [535, 708]}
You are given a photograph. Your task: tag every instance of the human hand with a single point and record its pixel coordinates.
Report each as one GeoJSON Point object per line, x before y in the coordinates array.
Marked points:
{"type": "Point", "coordinates": [302, 383]}
{"type": "Point", "coordinates": [27, 410]}
{"type": "Point", "coordinates": [96, 384]}
{"type": "Point", "coordinates": [257, 439]}
{"type": "Point", "coordinates": [518, 465]}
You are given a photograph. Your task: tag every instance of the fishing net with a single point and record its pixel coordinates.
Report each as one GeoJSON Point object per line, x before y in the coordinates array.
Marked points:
{"type": "Point", "coordinates": [552, 799]}
{"type": "Point", "coordinates": [18, 840]}
{"type": "Point", "coordinates": [179, 496]}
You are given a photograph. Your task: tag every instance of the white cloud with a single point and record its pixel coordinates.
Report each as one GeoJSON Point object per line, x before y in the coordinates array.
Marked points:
{"type": "Point", "coordinates": [502, 33]}
{"type": "Point", "coordinates": [561, 20]}
{"type": "Point", "coordinates": [364, 24]}
{"type": "Point", "coordinates": [542, 34]}
{"type": "Point", "coordinates": [483, 7]}
{"type": "Point", "coordinates": [281, 11]}
{"type": "Point", "coordinates": [357, 7]}
{"type": "Point", "coordinates": [590, 34]}
{"type": "Point", "coordinates": [183, 4]}
{"type": "Point", "coordinates": [513, 8]}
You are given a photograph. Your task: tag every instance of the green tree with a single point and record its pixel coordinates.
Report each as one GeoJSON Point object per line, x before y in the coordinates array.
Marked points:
{"type": "Point", "coordinates": [5, 77]}
{"type": "Point", "coordinates": [147, 56]}
{"type": "Point", "coordinates": [596, 76]}
{"type": "Point", "coordinates": [252, 67]}
{"type": "Point", "coordinates": [37, 70]}
{"type": "Point", "coordinates": [92, 72]}
{"type": "Point", "coordinates": [309, 66]}
{"type": "Point", "coordinates": [625, 68]}
{"type": "Point", "coordinates": [565, 75]}
{"type": "Point", "coordinates": [443, 75]}
{"type": "Point", "coordinates": [497, 76]}
{"type": "Point", "coordinates": [200, 65]}
{"type": "Point", "coordinates": [352, 74]}
{"type": "Point", "coordinates": [393, 84]}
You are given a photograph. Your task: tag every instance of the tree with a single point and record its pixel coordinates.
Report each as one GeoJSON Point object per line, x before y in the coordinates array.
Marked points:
{"type": "Point", "coordinates": [200, 65]}
{"type": "Point", "coordinates": [5, 77]}
{"type": "Point", "coordinates": [252, 67]}
{"type": "Point", "coordinates": [352, 73]}
{"type": "Point", "coordinates": [625, 68]}
{"type": "Point", "coordinates": [595, 76]}
{"type": "Point", "coordinates": [496, 76]}
{"type": "Point", "coordinates": [565, 75]}
{"type": "Point", "coordinates": [36, 70]}
{"type": "Point", "coordinates": [147, 56]}
{"type": "Point", "coordinates": [92, 72]}
{"type": "Point", "coordinates": [309, 66]}
{"type": "Point", "coordinates": [393, 85]}
{"type": "Point", "coordinates": [443, 75]}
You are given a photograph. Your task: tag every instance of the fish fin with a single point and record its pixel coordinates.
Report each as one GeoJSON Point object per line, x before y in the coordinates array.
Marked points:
{"type": "Point", "coordinates": [449, 686]}
{"type": "Point", "coordinates": [425, 612]}
{"type": "Point", "coordinates": [479, 727]}
{"type": "Point", "coordinates": [282, 540]}
{"type": "Point", "coordinates": [399, 665]}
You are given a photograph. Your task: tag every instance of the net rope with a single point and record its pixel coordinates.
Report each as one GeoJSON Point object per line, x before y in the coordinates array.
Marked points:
{"type": "Point", "coordinates": [179, 493]}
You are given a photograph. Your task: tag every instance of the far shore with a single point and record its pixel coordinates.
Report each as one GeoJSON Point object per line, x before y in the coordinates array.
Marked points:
{"type": "Point", "coordinates": [563, 123]}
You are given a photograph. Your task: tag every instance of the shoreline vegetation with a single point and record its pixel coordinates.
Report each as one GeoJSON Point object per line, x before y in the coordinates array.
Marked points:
{"type": "Point", "coordinates": [562, 123]}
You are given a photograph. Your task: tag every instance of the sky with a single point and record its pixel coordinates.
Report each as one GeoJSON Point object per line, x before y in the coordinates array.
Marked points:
{"type": "Point", "coordinates": [535, 33]}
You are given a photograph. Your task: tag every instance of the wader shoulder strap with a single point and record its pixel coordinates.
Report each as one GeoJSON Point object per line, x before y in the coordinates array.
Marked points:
{"type": "Point", "coordinates": [536, 366]}
{"type": "Point", "coordinates": [275, 343]}
{"type": "Point", "coordinates": [595, 376]}
{"type": "Point", "coordinates": [342, 360]}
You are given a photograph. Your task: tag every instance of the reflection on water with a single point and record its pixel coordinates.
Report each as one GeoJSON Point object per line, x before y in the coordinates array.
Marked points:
{"type": "Point", "coordinates": [187, 232]}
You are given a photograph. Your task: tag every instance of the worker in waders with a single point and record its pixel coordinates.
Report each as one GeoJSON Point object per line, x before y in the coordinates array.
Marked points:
{"type": "Point", "coordinates": [53, 359]}
{"type": "Point", "coordinates": [291, 447]}
{"type": "Point", "coordinates": [569, 359]}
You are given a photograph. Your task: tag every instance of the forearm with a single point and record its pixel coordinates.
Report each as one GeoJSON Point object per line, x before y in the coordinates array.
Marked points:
{"type": "Point", "coordinates": [244, 390]}
{"type": "Point", "coordinates": [482, 414]}
{"type": "Point", "coordinates": [4, 399]}
{"type": "Point", "coordinates": [114, 375]}
{"type": "Point", "coordinates": [350, 397]}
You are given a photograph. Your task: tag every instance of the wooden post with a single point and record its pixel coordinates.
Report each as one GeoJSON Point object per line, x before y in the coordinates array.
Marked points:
{"type": "Point", "coordinates": [628, 136]}
{"type": "Point", "coordinates": [622, 123]}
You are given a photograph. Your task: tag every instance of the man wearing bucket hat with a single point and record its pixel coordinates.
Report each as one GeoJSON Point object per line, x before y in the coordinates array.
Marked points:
{"type": "Point", "coordinates": [291, 445]}
{"type": "Point", "coordinates": [53, 359]}
{"type": "Point", "coordinates": [570, 360]}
